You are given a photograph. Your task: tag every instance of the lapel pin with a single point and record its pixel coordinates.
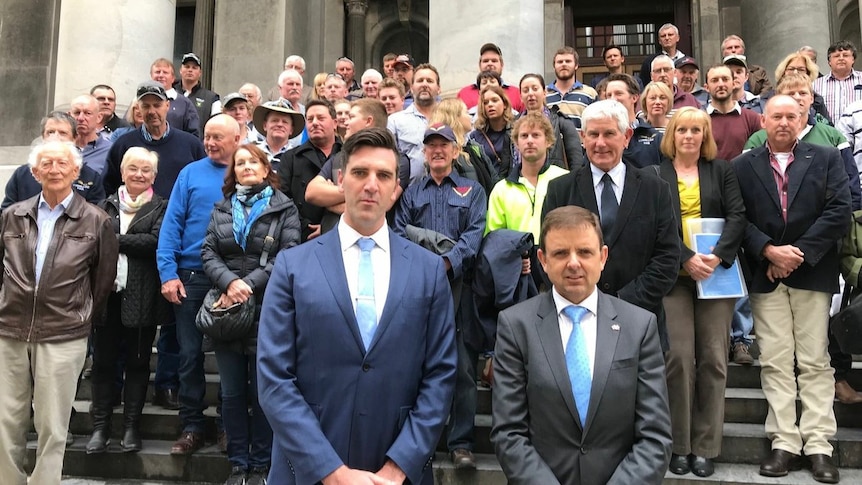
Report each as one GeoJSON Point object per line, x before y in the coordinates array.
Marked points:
{"type": "Point", "coordinates": [615, 327]}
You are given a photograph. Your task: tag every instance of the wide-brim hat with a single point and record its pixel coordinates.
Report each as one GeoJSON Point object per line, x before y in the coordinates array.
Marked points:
{"type": "Point", "coordinates": [262, 110]}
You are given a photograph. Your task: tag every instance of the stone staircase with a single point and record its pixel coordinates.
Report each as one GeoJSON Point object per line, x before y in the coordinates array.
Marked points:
{"type": "Point", "coordinates": [744, 444]}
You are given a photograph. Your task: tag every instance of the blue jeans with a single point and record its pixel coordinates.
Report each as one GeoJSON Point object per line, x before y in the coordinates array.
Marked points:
{"type": "Point", "coordinates": [168, 362]}
{"type": "Point", "coordinates": [249, 438]}
{"type": "Point", "coordinates": [742, 322]}
{"type": "Point", "coordinates": [191, 368]}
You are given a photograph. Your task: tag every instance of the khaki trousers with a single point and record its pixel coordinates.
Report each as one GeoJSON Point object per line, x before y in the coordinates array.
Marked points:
{"type": "Point", "coordinates": [45, 374]}
{"type": "Point", "coordinates": [792, 323]}
{"type": "Point", "coordinates": [699, 333]}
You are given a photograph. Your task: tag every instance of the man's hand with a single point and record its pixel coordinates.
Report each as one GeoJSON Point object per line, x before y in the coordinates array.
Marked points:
{"type": "Point", "coordinates": [787, 257]}
{"type": "Point", "coordinates": [315, 231]}
{"type": "Point", "coordinates": [775, 273]}
{"type": "Point", "coordinates": [699, 266]}
{"type": "Point", "coordinates": [525, 266]}
{"type": "Point", "coordinates": [392, 472]}
{"type": "Point", "coordinates": [174, 291]}
{"type": "Point", "coordinates": [238, 291]}
{"type": "Point", "coordinates": [348, 476]}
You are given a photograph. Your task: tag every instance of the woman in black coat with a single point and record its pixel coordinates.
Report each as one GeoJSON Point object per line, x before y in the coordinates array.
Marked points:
{"type": "Point", "coordinates": [698, 329]}
{"type": "Point", "coordinates": [135, 307]}
{"type": "Point", "coordinates": [231, 255]}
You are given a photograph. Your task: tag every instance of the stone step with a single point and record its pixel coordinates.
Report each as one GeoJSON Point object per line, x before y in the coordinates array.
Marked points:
{"type": "Point", "coordinates": [750, 406]}
{"type": "Point", "coordinates": [748, 376]}
{"type": "Point", "coordinates": [85, 389]}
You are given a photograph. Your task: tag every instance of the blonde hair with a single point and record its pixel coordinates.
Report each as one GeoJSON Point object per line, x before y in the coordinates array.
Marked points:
{"type": "Point", "coordinates": [319, 78]}
{"type": "Point", "coordinates": [449, 112]}
{"type": "Point", "coordinates": [656, 86]}
{"type": "Point", "coordinates": [482, 121]}
{"type": "Point", "coordinates": [684, 116]}
{"type": "Point", "coordinates": [813, 70]}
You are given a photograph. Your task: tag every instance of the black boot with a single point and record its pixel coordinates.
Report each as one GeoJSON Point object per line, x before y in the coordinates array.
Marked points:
{"type": "Point", "coordinates": [101, 412]}
{"type": "Point", "coordinates": [134, 397]}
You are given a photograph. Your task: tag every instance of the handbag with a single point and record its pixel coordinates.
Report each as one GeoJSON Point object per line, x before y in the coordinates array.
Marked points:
{"type": "Point", "coordinates": [236, 321]}
{"type": "Point", "coordinates": [846, 325]}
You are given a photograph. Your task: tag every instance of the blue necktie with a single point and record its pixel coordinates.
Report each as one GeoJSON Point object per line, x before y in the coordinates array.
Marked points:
{"type": "Point", "coordinates": [366, 311]}
{"type": "Point", "coordinates": [610, 206]}
{"type": "Point", "coordinates": [578, 361]}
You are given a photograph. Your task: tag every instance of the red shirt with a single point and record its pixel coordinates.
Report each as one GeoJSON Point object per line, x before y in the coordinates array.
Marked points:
{"type": "Point", "coordinates": [469, 94]}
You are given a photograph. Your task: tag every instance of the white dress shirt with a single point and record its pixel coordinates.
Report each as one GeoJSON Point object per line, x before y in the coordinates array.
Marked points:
{"type": "Point", "coordinates": [618, 177]}
{"type": "Point", "coordinates": [589, 322]}
{"type": "Point", "coordinates": [380, 262]}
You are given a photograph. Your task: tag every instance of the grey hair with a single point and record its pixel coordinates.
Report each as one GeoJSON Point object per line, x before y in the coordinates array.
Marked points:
{"type": "Point", "coordinates": [257, 90]}
{"type": "Point", "coordinates": [61, 116]}
{"type": "Point", "coordinates": [733, 37]}
{"type": "Point", "coordinates": [295, 58]}
{"type": "Point", "coordinates": [290, 72]}
{"type": "Point", "coordinates": [372, 73]}
{"type": "Point", "coordinates": [661, 58]}
{"type": "Point", "coordinates": [64, 146]}
{"type": "Point", "coordinates": [606, 109]}
{"type": "Point", "coordinates": [140, 153]}
{"type": "Point", "coordinates": [669, 26]}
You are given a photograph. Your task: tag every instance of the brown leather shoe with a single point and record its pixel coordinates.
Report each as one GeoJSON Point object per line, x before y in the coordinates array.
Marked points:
{"type": "Point", "coordinates": [463, 458]}
{"type": "Point", "coordinates": [845, 393]}
{"type": "Point", "coordinates": [187, 443]}
{"type": "Point", "coordinates": [823, 469]}
{"type": "Point", "coordinates": [779, 463]}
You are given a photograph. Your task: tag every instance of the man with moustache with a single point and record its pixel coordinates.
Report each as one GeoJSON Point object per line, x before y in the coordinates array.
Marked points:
{"type": "Point", "coordinates": [566, 94]}
{"type": "Point", "coordinates": [409, 125]}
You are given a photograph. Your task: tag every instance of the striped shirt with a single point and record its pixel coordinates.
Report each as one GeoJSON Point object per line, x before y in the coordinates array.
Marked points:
{"type": "Point", "coordinates": [571, 103]}
{"type": "Point", "coordinates": [839, 93]}
{"type": "Point", "coordinates": [850, 125]}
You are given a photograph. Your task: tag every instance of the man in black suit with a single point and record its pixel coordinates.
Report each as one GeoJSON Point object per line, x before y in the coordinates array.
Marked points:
{"type": "Point", "coordinates": [635, 210]}
{"type": "Point", "coordinates": [797, 203]}
{"type": "Point", "coordinates": [579, 389]}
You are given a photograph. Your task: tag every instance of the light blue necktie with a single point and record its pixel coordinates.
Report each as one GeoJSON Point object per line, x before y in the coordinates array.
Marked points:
{"type": "Point", "coordinates": [578, 361]}
{"type": "Point", "coordinates": [366, 310]}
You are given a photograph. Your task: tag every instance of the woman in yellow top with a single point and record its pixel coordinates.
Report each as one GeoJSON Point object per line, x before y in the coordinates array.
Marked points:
{"type": "Point", "coordinates": [698, 330]}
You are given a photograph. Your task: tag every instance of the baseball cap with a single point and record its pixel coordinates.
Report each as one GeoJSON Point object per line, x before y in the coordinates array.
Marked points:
{"type": "Point", "coordinates": [230, 98]}
{"type": "Point", "coordinates": [191, 57]}
{"type": "Point", "coordinates": [735, 59]}
{"type": "Point", "coordinates": [154, 88]}
{"type": "Point", "coordinates": [686, 61]}
{"type": "Point", "coordinates": [404, 59]}
{"type": "Point", "coordinates": [439, 129]}
{"type": "Point", "coordinates": [490, 46]}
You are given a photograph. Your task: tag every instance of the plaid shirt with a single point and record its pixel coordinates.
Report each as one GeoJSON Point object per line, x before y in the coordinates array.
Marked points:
{"type": "Point", "coordinates": [839, 93]}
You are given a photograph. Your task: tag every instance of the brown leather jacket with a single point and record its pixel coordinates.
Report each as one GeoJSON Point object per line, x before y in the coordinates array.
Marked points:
{"type": "Point", "coordinates": [77, 275]}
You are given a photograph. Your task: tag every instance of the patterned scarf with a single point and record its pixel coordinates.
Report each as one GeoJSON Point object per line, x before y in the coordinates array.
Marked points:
{"type": "Point", "coordinates": [255, 198]}
{"type": "Point", "coordinates": [129, 204]}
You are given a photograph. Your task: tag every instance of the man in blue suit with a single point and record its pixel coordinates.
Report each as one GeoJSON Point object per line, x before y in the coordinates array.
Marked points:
{"type": "Point", "coordinates": [357, 370]}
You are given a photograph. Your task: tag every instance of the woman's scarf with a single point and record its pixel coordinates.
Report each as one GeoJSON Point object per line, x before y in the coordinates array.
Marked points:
{"type": "Point", "coordinates": [256, 198]}
{"type": "Point", "coordinates": [129, 204]}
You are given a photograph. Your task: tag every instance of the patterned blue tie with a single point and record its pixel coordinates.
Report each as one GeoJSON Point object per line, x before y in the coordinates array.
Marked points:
{"type": "Point", "coordinates": [366, 310]}
{"type": "Point", "coordinates": [578, 361]}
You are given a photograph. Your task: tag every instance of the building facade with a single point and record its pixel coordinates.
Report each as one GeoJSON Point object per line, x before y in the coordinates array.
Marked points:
{"type": "Point", "coordinates": [54, 50]}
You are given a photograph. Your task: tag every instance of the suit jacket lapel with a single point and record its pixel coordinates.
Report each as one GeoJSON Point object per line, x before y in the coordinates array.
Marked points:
{"type": "Point", "coordinates": [606, 345]}
{"type": "Point", "coordinates": [549, 335]}
{"type": "Point", "coordinates": [802, 161]}
{"type": "Point", "coordinates": [587, 194]}
{"type": "Point", "coordinates": [398, 258]}
{"type": "Point", "coordinates": [331, 261]}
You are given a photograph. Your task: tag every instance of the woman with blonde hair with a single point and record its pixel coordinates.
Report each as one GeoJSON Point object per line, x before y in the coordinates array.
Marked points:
{"type": "Point", "coordinates": [798, 63]}
{"type": "Point", "coordinates": [471, 162]}
{"type": "Point", "coordinates": [317, 86]}
{"type": "Point", "coordinates": [657, 103]}
{"type": "Point", "coordinates": [698, 330]}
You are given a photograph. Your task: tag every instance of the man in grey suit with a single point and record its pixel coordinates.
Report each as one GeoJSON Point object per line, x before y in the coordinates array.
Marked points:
{"type": "Point", "coordinates": [579, 388]}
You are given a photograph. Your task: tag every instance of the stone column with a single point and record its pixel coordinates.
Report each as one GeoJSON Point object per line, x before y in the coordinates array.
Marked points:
{"type": "Point", "coordinates": [356, 10]}
{"type": "Point", "coordinates": [774, 28]}
{"type": "Point", "coordinates": [555, 36]}
{"type": "Point", "coordinates": [202, 43]}
{"type": "Point", "coordinates": [706, 34]}
{"type": "Point", "coordinates": [28, 37]}
{"type": "Point", "coordinates": [111, 43]}
{"type": "Point", "coordinates": [516, 26]}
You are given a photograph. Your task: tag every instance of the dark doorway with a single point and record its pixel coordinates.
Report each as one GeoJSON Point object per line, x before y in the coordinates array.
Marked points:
{"type": "Point", "coordinates": [631, 24]}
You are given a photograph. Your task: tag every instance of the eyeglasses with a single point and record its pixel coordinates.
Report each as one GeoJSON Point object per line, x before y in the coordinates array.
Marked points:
{"type": "Point", "coordinates": [796, 69]}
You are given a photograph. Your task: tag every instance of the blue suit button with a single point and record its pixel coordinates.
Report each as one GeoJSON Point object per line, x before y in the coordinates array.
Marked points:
{"type": "Point", "coordinates": [366, 367]}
